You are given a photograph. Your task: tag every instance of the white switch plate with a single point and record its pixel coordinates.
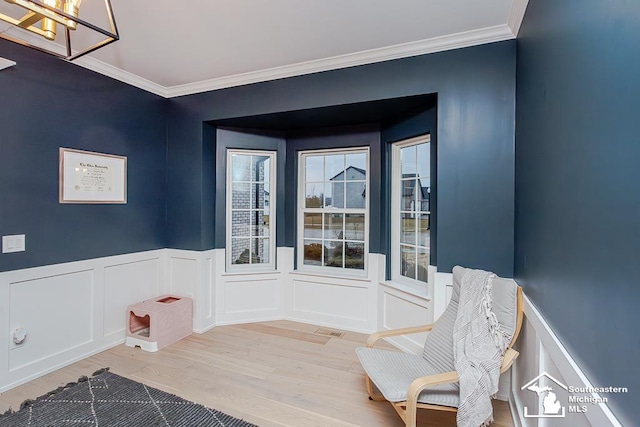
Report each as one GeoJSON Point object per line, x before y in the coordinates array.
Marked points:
{"type": "Point", "coordinates": [6, 63]}
{"type": "Point", "coordinates": [15, 243]}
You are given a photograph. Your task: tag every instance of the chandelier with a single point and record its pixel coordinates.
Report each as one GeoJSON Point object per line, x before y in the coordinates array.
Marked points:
{"type": "Point", "coordinates": [55, 26]}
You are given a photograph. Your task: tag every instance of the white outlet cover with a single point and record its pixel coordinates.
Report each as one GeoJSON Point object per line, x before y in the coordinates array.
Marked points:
{"type": "Point", "coordinates": [14, 243]}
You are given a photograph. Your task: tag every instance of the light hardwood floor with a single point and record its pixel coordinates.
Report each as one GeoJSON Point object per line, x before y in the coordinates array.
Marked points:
{"type": "Point", "coordinates": [271, 374]}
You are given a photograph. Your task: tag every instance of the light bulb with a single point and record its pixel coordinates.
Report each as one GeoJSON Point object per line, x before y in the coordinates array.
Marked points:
{"type": "Point", "coordinates": [72, 7]}
{"type": "Point", "coordinates": [49, 25]}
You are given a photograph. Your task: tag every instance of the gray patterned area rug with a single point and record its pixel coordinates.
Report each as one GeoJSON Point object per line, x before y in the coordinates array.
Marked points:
{"type": "Point", "coordinates": [107, 400]}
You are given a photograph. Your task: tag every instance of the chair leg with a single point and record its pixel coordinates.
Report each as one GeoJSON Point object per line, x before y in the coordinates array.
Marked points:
{"type": "Point", "coordinates": [411, 418]}
{"type": "Point", "coordinates": [411, 414]}
{"type": "Point", "coordinates": [373, 391]}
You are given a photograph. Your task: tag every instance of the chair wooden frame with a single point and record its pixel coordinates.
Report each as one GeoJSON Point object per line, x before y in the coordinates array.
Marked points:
{"type": "Point", "coordinates": [408, 409]}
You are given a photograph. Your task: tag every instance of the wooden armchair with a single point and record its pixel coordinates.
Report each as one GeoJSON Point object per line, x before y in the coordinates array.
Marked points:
{"type": "Point", "coordinates": [429, 381]}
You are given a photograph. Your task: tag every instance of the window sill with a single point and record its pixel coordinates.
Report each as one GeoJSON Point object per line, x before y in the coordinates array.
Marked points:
{"type": "Point", "coordinates": [249, 273]}
{"type": "Point", "coordinates": [331, 276]}
{"type": "Point", "coordinates": [416, 290]}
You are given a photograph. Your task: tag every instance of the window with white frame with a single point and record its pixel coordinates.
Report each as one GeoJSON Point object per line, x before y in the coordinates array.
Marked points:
{"type": "Point", "coordinates": [410, 210]}
{"type": "Point", "coordinates": [333, 210]}
{"type": "Point", "coordinates": [251, 216]}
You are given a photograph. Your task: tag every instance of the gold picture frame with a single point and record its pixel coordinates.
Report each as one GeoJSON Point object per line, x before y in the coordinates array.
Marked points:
{"type": "Point", "coordinates": [92, 178]}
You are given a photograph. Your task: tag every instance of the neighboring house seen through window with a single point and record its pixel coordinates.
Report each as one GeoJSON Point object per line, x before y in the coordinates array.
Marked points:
{"type": "Point", "coordinates": [411, 190]}
{"type": "Point", "coordinates": [332, 212]}
{"type": "Point", "coordinates": [250, 217]}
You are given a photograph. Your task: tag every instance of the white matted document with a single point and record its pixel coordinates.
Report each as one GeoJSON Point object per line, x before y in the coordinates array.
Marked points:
{"type": "Point", "coordinates": [87, 177]}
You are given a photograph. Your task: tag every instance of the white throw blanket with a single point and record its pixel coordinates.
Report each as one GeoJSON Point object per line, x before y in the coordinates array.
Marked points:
{"type": "Point", "coordinates": [479, 344]}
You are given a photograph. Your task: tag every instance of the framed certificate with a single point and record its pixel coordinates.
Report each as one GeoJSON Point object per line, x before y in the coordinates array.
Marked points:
{"type": "Point", "coordinates": [87, 177]}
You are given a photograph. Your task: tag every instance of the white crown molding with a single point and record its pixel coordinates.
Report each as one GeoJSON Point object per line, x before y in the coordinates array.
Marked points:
{"type": "Point", "coordinates": [421, 47]}
{"type": "Point", "coordinates": [119, 74]}
{"type": "Point", "coordinates": [516, 15]}
{"type": "Point", "coordinates": [5, 63]}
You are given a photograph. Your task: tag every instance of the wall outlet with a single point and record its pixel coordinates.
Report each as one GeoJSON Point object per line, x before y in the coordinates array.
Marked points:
{"type": "Point", "coordinates": [15, 243]}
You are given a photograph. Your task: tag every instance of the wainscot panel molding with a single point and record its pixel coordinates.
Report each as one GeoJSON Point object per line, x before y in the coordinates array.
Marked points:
{"type": "Point", "coordinates": [192, 274]}
{"type": "Point", "coordinates": [400, 309]}
{"type": "Point", "coordinates": [71, 311]}
{"type": "Point", "coordinates": [252, 296]}
{"type": "Point", "coordinates": [336, 302]}
{"type": "Point", "coordinates": [130, 281]}
{"type": "Point", "coordinates": [542, 352]}
{"type": "Point", "coordinates": [45, 305]}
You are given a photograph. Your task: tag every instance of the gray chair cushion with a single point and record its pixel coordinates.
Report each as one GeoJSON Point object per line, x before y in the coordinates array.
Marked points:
{"type": "Point", "coordinates": [505, 303]}
{"type": "Point", "coordinates": [438, 347]}
{"type": "Point", "coordinates": [393, 372]}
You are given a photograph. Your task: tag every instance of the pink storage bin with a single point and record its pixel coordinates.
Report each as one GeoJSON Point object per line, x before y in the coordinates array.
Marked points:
{"type": "Point", "coordinates": [158, 322]}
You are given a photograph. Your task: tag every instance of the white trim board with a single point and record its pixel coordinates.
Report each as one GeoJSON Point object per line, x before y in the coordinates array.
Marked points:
{"type": "Point", "coordinates": [421, 47]}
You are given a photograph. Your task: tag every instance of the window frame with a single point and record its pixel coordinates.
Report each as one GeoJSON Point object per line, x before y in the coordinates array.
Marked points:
{"type": "Point", "coordinates": [396, 214]}
{"type": "Point", "coordinates": [271, 265]}
{"type": "Point", "coordinates": [301, 210]}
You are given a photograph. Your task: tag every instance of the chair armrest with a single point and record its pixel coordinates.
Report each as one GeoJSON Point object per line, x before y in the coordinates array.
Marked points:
{"type": "Point", "coordinates": [396, 332]}
{"type": "Point", "coordinates": [510, 356]}
{"type": "Point", "coordinates": [421, 383]}
{"type": "Point", "coordinates": [416, 388]}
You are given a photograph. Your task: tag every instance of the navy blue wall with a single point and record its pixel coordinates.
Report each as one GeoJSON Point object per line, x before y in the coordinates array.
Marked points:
{"type": "Point", "coordinates": [476, 120]}
{"type": "Point", "coordinates": [47, 103]}
{"type": "Point", "coordinates": [475, 88]}
{"type": "Point", "coordinates": [577, 175]}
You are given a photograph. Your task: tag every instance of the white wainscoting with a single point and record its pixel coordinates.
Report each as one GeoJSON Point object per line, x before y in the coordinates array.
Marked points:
{"type": "Point", "coordinates": [64, 301]}
{"type": "Point", "coordinates": [400, 309]}
{"type": "Point", "coordinates": [129, 283]}
{"type": "Point", "coordinates": [71, 310]}
{"type": "Point", "coordinates": [540, 352]}
{"type": "Point", "coordinates": [341, 302]}
{"type": "Point", "coordinates": [251, 296]}
{"type": "Point", "coordinates": [192, 274]}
